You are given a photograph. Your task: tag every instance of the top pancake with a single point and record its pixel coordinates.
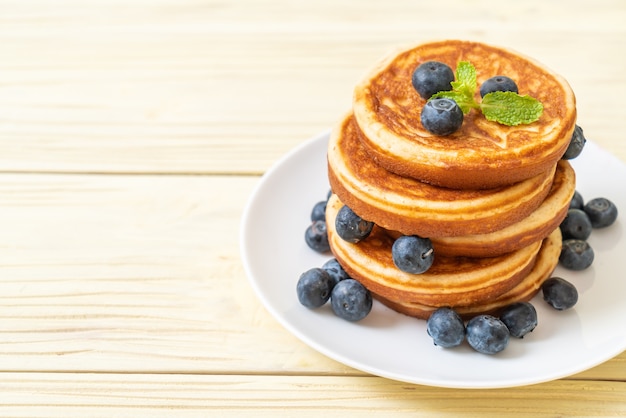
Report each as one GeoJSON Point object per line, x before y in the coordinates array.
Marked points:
{"type": "Point", "coordinates": [482, 153]}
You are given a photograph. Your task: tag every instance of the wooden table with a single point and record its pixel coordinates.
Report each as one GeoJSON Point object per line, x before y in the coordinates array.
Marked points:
{"type": "Point", "coordinates": [132, 134]}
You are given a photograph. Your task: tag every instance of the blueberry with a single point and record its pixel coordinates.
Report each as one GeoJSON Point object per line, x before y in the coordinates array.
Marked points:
{"type": "Point", "coordinates": [441, 116]}
{"type": "Point", "coordinates": [314, 288]}
{"type": "Point", "coordinates": [487, 334]}
{"type": "Point", "coordinates": [576, 144]}
{"type": "Point", "coordinates": [350, 300]}
{"type": "Point", "coordinates": [576, 254]}
{"type": "Point", "coordinates": [601, 211]}
{"type": "Point", "coordinates": [336, 272]}
{"type": "Point", "coordinates": [446, 328]}
{"type": "Point", "coordinates": [319, 211]}
{"type": "Point", "coordinates": [559, 293]}
{"type": "Point", "coordinates": [432, 77]}
{"type": "Point", "coordinates": [576, 225]}
{"type": "Point", "coordinates": [520, 318]}
{"type": "Point", "coordinates": [412, 254]}
{"type": "Point", "coordinates": [577, 201]}
{"type": "Point", "coordinates": [350, 226]}
{"type": "Point", "coordinates": [316, 237]}
{"type": "Point", "coordinates": [497, 83]}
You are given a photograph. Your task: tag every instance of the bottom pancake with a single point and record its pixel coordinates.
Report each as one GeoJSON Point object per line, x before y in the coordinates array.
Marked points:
{"type": "Point", "coordinates": [450, 281]}
{"type": "Point", "coordinates": [546, 262]}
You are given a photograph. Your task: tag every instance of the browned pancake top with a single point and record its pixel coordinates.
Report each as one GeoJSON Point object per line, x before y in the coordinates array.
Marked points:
{"type": "Point", "coordinates": [394, 103]}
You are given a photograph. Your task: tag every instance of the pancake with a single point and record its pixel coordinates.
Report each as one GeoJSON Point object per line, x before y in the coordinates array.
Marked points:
{"type": "Point", "coordinates": [535, 227]}
{"type": "Point", "coordinates": [415, 208]}
{"type": "Point", "coordinates": [450, 281]}
{"type": "Point", "coordinates": [546, 262]}
{"type": "Point", "coordinates": [482, 154]}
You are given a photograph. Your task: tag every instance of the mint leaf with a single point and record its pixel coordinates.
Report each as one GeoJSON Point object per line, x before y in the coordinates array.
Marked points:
{"type": "Point", "coordinates": [463, 88]}
{"type": "Point", "coordinates": [510, 108]}
{"type": "Point", "coordinates": [465, 79]}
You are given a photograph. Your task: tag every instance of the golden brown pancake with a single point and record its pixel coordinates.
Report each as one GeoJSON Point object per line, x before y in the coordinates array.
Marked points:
{"type": "Point", "coordinates": [482, 154]}
{"type": "Point", "coordinates": [450, 281]}
{"type": "Point", "coordinates": [546, 262]}
{"type": "Point", "coordinates": [415, 208]}
{"type": "Point", "coordinates": [535, 227]}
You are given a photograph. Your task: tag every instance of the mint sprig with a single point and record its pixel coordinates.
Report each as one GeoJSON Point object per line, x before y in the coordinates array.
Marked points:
{"type": "Point", "coordinates": [507, 108]}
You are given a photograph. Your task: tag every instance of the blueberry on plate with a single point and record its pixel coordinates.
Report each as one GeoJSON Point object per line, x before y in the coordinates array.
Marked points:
{"type": "Point", "coordinates": [559, 293]}
{"type": "Point", "coordinates": [350, 300]}
{"type": "Point", "coordinates": [314, 288]}
{"type": "Point", "coordinates": [497, 83]}
{"type": "Point", "coordinates": [432, 77]}
{"type": "Point", "coordinates": [487, 334]}
{"type": "Point", "coordinates": [576, 144]}
{"type": "Point", "coordinates": [350, 226]}
{"type": "Point", "coordinates": [335, 270]}
{"type": "Point", "coordinates": [520, 318]}
{"type": "Point", "coordinates": [576, 225]}
{"type": "Point", "coordinates": [412, 254]}
{"type": "Point", "coordinates": [601, 211]}
{"type": "Point", "coordinates": [446, 327]}
{"type": "Point", "coordinates": [576, 254]}
{"type": "Point", "coordinates": [441, 116]}
{"type": "Point", "coordinates": [577, 201]}
{"type": "Point", "coordinates": [319, 211]}
{"type": "Point", "coordinates": [316, 237]}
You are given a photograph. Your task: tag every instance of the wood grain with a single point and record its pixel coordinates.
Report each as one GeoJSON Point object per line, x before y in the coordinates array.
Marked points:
{"type": "Point", "coordinates": [104, 395]}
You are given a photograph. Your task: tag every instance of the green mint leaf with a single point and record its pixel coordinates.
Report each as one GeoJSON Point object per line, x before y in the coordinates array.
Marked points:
{"type": "Point", "coordinates": [465, 78]}
{"type": "Point", "coordinates": [465, 101]}
{"type": "Point", "coordinates": [510, 108]}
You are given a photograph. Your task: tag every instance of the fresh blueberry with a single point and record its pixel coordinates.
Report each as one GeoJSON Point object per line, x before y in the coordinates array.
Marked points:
{"type": "Point", "coordinates": [350, 300]}
{"type": "Point", "coordinates": [577, 201]}
{"type": "Point", "coordinates": [520, 318]}
{"type": "Point", "coordinates": [487, 334]}
{"type": "Point", "coordinates": [336, 272]}
{"type": "Point", "coordinates": [576, 225]}
{"type": "Point", "coordinates": [350, 226]}
{"type": "Point", "coordinates": [432, 77]}
{"type": "Point", "coordinates": [441, 116]}
{"type": "Point", "coordinates": [497, 83]}
{"type": "Point", "coordinates": [319, 211]}
{"type": "Point", "coordinates": [559, 293]}
{"type": "Point", "coordinates": [576, 254]}
{"type": "Point", "coordinates": [314, 288]}
{"type": "Point", "coordinates": [412, 254]}
{"type": "Point", "coordinates": [601, 211]}
{"type": "Point", "coordinates": [576, 144]}
{"type": "Point", "coordinates": [446, 328]}
{"type": "Point", "coordinates": [329, 194]}
{"type": "Point", "coordinates": [316, 237]}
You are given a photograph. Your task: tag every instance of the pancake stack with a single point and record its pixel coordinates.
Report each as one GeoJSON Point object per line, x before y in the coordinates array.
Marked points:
{"type": "Point", "coordinates": [490, 197]}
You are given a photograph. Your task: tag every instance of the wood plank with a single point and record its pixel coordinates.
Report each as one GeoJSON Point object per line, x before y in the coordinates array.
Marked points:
{"type": "Point", "coordinates": [133, 273]}
{"type": "Point", "coordinates": [141, 273]}
{"type": "Point", "coordinates": [229, 87]}
{"type": "Point", "coordinates": [104, 395]}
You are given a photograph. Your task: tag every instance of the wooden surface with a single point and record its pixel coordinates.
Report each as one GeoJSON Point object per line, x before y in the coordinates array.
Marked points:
{"type": "Point", "coordinates": [132, 134]}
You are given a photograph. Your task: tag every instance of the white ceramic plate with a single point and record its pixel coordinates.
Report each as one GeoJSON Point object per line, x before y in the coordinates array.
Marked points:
{"type": "Point", "coordinates": [395, 346]}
